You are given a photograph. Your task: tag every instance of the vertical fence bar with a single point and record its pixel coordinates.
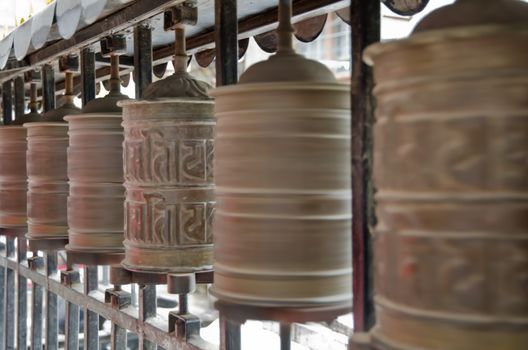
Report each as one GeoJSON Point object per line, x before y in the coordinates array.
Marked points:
{"type": "Point", "coordinates": [142, 58]}
{"type": "Point", "coordinates": [51, 324]}
{"type": "Point", "coordinates": [87, 75]}
{"type": "Point", "coordinates": [147, 309]}
{"type": "Point", "coordinates": [230, 335]}
{"type": "Point", "coordinates": [20, 97]}
{"type": "Point", "coordinates": [36, 306]}
{"type": "Point", "coordinates": [91, 319]}
{"type": "Point", "coordinates": [285, 336]}
{"type": "Point", "coordinates": [2, 297]}
{"type": "Point", "coordinates": [226, 47]}
{"type": "Point", "coordinates": [365, 30]}
{"type": "Point", "coordinates": [118, 299]}
{"type": "Point", "coordinates": [7, 101]}
{"type": "Point", "coordinates": [22, 295]}
{"type": "Point", "coordinates": [9, 301]}
{"type": "Point", "coordinates": [71, 324]}
{"type": "Point", "coordinates": [226, 42]}
{"type": "Point", "coordinates": [48, 88]}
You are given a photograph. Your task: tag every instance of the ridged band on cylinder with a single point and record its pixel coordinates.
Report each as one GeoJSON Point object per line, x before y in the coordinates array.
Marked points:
{"type": "Point", "coordinates": [47, 180]}
{"type": "Point", "coordinates": [13, 177]}
{"type": "Point", "coordinates": [283, 219]}
{"type": "Point", "coordinates": [169, 208]}
{"type": "Point", "coordinates": [451, 150]}
{"type": "Point", "coordinates": [95, 172]}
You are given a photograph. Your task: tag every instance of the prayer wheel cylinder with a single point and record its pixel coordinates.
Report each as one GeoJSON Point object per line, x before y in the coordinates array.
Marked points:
{"type": "Point", "coordinates": [95, 202]}
{"type": "Point", "coordinates": [168, 158]}
{"type": "Point", "coordinates": [47, 171]}
{"type": "Point", "coordinates": [13, 176]}
{"type": "Point", "coordinates": [450, 165]}
{"type": "Point", "coordinates": [282, 170]}
{"type": "Point", "coordinates": [13, 171]}
{"type": "Point", "coordinates": [168, 154]}
{"type": "Point", "coordinates": [95, 172]}
{"type": "Point", "coordinates": [47, 182]}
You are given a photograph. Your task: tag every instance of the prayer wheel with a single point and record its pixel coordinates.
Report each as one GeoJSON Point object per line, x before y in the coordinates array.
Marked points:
{"type": "Point", "coordinates": [282, 170]}
{"type": "Point", "coordinates": [451, 244]}
{"type": "Point", "coordinates": [13, 174]}
{"type": "Point", "coordinates": [47, 174]}
{"type": "Point", "coordinates": [95, 173]}
{"type": "Point", "coordinates": [168, 155]}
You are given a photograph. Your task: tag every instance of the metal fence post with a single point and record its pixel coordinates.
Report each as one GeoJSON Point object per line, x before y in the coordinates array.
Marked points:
{"type": "Point", "coordinates": [91, 319]}
{"type": "Point", "coordinates": [22, 295]}
{"type": "Point", "coordinates": [51, 323]}
{"type": "Point", "coordinates": [35, 262]}
{"type": "Point", "coordinates": [9, 301]}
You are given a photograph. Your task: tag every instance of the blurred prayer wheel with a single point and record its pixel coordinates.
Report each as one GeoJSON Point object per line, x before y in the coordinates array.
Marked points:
{"type": "Point", "coordinates": [13, 174]}
{"type": "Point", "coordinates": [47, 173]}
{"type": "Point", "coordinates": [95, 172]}
{"type": "Point", "coordinates": [168, 154]}
{"type": "Point", "coordinates": [282, 170]}
{"type": "Point", "coordinates": [451, 246]}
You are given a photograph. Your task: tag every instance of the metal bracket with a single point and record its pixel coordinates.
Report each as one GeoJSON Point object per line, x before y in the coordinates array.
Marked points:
{"type": "Point", "coordinates": [118, 299]}
{"type": "Point", "coordinates": [69, 64]}
{"type": "Point", "coordinates": [32, 76]}
{"type": "Point", "coordinates": [69, 278]}
{"type": "Point", "coordinates": [186, 326]}
{"type": "Point", "coordinates": [184, 13]}
{"type": "Point", "coordinates": [35, 262]}
{"type": "Point", "coordinates": [113, 45]}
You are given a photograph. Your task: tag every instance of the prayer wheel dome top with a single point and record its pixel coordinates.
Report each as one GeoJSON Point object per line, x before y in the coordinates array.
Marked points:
{"type": "Point", "coordinates": [464, 13]}
{"type": "Point", "coordinates": [31, 117]}
{"type": "Point", "coordinates": [179, 85]}
{"type": "Point", "coordinates": [287, 66]}
{"type": "Point", "coordinates": [58, 114]}
{"type": "Point", "coordinates": [107, 104]}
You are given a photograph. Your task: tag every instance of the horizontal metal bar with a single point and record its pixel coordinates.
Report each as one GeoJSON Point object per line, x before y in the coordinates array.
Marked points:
{"type": "Point", "coordinates": [154, 330]}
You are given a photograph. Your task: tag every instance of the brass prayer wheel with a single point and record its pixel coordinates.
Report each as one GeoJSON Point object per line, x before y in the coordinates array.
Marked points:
{"type": "Point", "coordinates": [13, 173]}
{"type": "Point", "coordinates": [451, 245]}
{"type": "Point", "coordinates": [282, 170]}
{"type": "Point", "coordinates": [168, 156]}
{"type": "Point", "coordinates": [47, 173]}
{"type": "Point", "coordinates": [95, 173]}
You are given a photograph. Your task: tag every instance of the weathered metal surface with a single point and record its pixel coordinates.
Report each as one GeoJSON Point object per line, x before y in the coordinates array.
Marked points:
{"type": "Point", "coordinates": [22, 302]}
{"type": "Point", "coordinates": [88, 92]}
{"type": "Point", "coordinates": [142, 58]}
{"type": "Point", "coordinates": [36, 307]}
{"type": "Point", "coordinates": [406, 7]}
{"type": "Point", "coordinates": [91, 319]}
{"type": "Point", "coordinates": [450, 167]}
{"type": "Point", "coordinates": [283, 221]}
{"type": "Point", "coordinates": [226, 39]}
{"type": "Point", "coordinates": [51, 322]}
{"type": "Point", "coordinates": [365, 30]}
{"type": "Point", "coordinates": [48, 88]}
{"type": "Point", "coordinates": [7, 102]}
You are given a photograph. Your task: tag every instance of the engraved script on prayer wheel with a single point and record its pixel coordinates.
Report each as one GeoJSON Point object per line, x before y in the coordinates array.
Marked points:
{"type": "Point", "coordinates": [283, 219]}
{"type": "Point", "coordinates": [168, 159]}
{"type": "Point", "coordinates": [451, 151]}
{"type": "Point", "coordinates": [95, 172]}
